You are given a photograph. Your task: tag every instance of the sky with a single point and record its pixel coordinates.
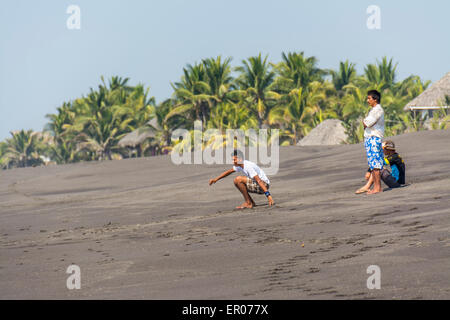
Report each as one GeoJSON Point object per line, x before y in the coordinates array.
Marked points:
{"type": "Point", "coordinates": [43, 63]}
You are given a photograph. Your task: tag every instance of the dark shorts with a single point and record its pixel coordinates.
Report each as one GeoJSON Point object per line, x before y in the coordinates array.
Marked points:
{"type": "Point", "coordinates": [387, 178]}
{"type": "Point", "coordinates": [254, 187]}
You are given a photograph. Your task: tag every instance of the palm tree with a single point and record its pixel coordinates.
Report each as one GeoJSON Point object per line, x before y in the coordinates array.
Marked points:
{"type": "Point", "coordinates": [410, 87]}
{"type": "Point", "coordinates": [292, 95]}
{"type": "Point", "coordinates": [162, 128]}
{"type": "Point", "coordinates": [382, 75]}
{"type": "Point", "coordinates": [296, 116]}
{"type": "Point", "coordinates": [101, 126]}
{"type": "Point", "coordinates": [296, 71]}
{"type": "Point", "coordinates": [64, 147]}
{"type": "Point", "coordinates": [23, 149]}
{"type": "Point", "coordinates": [344, 76]}
{"type": "Point", "coordinates": [137, 107]}
{"type": "Point", "coordinates": [3, 147]}
{"type": "Point", "coordinates": [65, 115]}
{"type": "Point", "coordinates": [219, 79]}
{"type": "Point", "coordinates": [354, 102]}
{"type": "Point", "coordinates": [90, 127]}
{"type": "Point", "coordinates": [118, 83]}
{"type": "Point", "coordinates": [255, 82]}
{"type": "Point", "coordinates": [353, 111]}
{"type": "Point", "coordinates": [394, 100]}
{"type": "Point", "coordinates": [193, 94]}
{"type": "Point", "coordinates": [228, 115]}
{"type": "Point", "coordinates": [232, 116]}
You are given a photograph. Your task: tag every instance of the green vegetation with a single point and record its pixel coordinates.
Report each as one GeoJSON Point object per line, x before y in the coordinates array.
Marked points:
{"type": "Point", "coordinates": [293, 95]}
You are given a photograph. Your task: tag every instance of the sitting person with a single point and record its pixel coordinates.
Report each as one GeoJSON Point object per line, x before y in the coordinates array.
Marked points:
{"type": "Point", "coordinates": [394, 178]}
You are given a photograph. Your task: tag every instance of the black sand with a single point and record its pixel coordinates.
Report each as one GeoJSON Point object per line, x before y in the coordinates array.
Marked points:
{"type": "Point", "coordinates": [145, 228]}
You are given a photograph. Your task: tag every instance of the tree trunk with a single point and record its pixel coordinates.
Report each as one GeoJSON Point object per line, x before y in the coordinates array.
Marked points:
{"type": "Point", "coordinates": [295, 136]}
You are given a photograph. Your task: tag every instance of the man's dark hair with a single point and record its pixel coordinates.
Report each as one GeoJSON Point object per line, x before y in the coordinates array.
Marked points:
{"type": "Point", "coordinates": [238, 153]}
{"type": "Point", "coordinates": [375, 95]}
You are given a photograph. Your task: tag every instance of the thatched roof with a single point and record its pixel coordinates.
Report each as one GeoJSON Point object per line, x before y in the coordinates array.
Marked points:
{"type": "Point", "coordinates": [139, 135]}
{"type": "Point", "coordinates": [433, 97]}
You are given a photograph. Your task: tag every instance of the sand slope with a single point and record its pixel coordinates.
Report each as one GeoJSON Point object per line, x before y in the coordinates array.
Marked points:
{"type": "Point", "coordinates": [145, 228]}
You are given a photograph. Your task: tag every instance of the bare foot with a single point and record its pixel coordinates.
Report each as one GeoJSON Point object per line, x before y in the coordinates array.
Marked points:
{"type": "Point", "coordinates": [373, 191]}
{"type": "Point", "coordinates": [361, 190]}
{"type": "Point", "coordinates": [245, 205]}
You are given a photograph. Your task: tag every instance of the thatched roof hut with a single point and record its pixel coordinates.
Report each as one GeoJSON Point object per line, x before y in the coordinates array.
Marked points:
{"type": "Point", "coordinates": [139, 135]}
{"type": "Point", "coordinates": [432, 98]}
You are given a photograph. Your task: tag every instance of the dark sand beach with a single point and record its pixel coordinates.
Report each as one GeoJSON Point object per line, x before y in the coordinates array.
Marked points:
{"type": "Point", "coordinates": [148, 229]}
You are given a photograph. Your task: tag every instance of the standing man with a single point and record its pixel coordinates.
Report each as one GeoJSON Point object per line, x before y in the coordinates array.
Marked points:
{"type": "Point", "coordinates": [254, 181]}
{"type": "Point", "coordinates": [373, 134]}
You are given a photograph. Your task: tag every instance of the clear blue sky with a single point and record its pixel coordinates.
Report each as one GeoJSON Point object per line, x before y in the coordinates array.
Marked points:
{"type": "Point", "coordinates": [43, 63]}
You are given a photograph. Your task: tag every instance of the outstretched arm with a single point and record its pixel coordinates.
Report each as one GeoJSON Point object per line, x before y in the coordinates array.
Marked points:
{"type": "Point", "coordinates": [223, 175]}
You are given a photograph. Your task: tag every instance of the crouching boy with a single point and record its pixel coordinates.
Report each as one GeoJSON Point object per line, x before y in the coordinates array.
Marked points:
{"type": "Point", "coordinates": [254, 180]}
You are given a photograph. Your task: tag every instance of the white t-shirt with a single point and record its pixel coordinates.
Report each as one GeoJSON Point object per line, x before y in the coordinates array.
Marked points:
{"type": "Point", "coordinates": [251, 170]}
{"type": "Point", "coordinates": [375, 122]}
